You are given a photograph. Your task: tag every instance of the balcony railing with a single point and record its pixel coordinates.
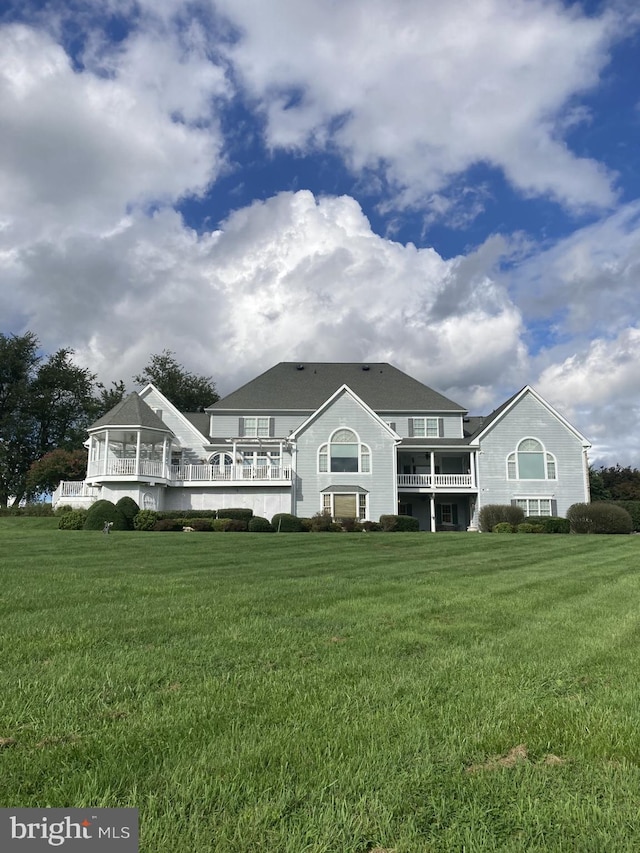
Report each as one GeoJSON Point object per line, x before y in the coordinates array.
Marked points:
{"type": "Point", "coordinates": [435, 481]}
{"type": "Point", "coordinates": [187, 473]}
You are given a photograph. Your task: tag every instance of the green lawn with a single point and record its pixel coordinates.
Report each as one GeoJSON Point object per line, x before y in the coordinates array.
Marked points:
{"type": "Point", "coordinates": [327, 692]}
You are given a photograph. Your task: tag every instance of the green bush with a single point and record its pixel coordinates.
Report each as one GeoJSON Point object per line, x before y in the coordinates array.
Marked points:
{"type": "Point", "coordinates": [171, 524]}
{"type": "Point", "coordinates": [306, 524]}
{"type": "Point", "coordinates": [493, 514]}
{"type": "Point", "coordinates": [102, 512]}
{"type": "Point", "coordinates": [145, 520]}
{"type": "Point", "coordinates": [260, 525]}
{"type": "Point", "coordinates": [186, 513]}
{"type": "Point", "coordinates": [129, 508]}
{"type": "Point", "coordinates": [38, 509]}
{"type": "Point", "coordinates": [72, 520]}
{"type": "Point", "coordinates": [549, 523]}
{"type": "Point", "coordinates": [399, 523]}
{"type": "Point", "coordinates": [633, 508]}
{"type": "Point", "coordinates": [371, 526]}
{"type": "Point", "coordinates": [284, 522]}
{"type": "Point", "coordinates": [201, 525]}
{"type": "Point", "coordinates": [599, 517]}
{"type": "Point", "coordinates": [352, 525]}
{"type": "Point", "coordinates": [525, 527]}
{"type": "Point", "coordinates": [321, 522]}
{"type": "Point", "coordinates": [220, 525]}
{"type": "Point", "coordinates": [503, 527]}
{"type": "Point", "coordinates": [230, 525]}
{"type": "Point", "coordinates": [241, 513]}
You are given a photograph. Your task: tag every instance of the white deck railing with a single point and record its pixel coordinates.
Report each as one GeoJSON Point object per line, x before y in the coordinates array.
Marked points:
{"type": "Point", "coordinates": [187, 473]}
{"type": "Point", "coordinates": [436, 481]}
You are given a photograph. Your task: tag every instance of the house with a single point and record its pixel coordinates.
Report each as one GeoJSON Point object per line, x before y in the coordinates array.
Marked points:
{"type": "Point", "coordinates": [355, 440]}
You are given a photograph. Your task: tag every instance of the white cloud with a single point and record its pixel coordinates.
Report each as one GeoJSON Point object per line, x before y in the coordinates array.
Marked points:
{"type": "Point", "coordinates": [425, 90]}
{"type": "Point", "coordinates": [77, 149]}
{"type": "Point", "coordinates": [290, 278]}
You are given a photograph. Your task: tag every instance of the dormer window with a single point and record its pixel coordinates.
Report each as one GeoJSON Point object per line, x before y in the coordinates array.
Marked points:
{"type": "Point", "coordinates": [426, 427]}
{"type": "Point", "coordinates": [344, 453]}
{"type": "Point", "coordinates": [256, 427]}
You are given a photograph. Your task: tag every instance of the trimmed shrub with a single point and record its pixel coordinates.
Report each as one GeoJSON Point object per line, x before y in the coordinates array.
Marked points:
{"type": "Point", "coordinates": [599, 517]}
{"type": "Point", "coordinates": [633, 508]}
{"type": "Point", "coordinates": [352, 525]}
{"type": "Point", "coordinates": [129, 508]}
{"type": "Point", "coordinates": [260, 525]}
{"type": "Point", "coordinates": [145, 520]}
{"type": "Point", "coordinates": [525, 527]}
{"type": "Point", "coordinates": [321, 522]}
{"type": "Point", "coordinates": [503, 527]}
{"type": "Point", "coordinates": [284, 522]}
{"type": "Point", "coordinates": [549, 523]}
{"type": "Point", "coordinates": [186, 513]}
{"type": "Point", "coordinates": [73, 520]}
{"type": "Point", "coordinates": [221, 524]}
{"type": "Point", "coordinates": [171, 524]}
{"type": "Point", "coordinates": [493, 514]}
{"type": "Point", "coordinates": [233, 525]}
{"type": "Point", "coordinates": [306, 524]}
{"type": "Point", "coordinates": [371, 526]}
{"type": "Point", "coordinates": [399, 523]}
{"type": "Point", "coordinates": [104, 511]}
{"type": "Point", "coordinates": [241, 513]}
{"type": "Point", "coordinates": [202, 525]}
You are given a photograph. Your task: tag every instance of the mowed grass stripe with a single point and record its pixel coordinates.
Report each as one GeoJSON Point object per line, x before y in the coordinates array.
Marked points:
{"type": "Point", "coordinates": [326, 693]}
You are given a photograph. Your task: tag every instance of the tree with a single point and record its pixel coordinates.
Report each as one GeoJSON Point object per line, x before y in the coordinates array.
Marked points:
{"type": "Point", "coordinates": [597, 488]}
{"type": "Point", "coordinates": [45, 474]}
{"type": "Point", "coordinates": [620, 484]}
{"type": "Point", "coordinates": [44, 405]}
{"type": "Point", "coordinates": [109, 397]}
{"type": "Point", "coordinates": [187, 391]}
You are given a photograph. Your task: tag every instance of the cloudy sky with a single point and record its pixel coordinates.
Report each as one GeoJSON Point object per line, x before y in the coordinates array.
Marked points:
{"type": "Point", "coordinates": [449, 185]}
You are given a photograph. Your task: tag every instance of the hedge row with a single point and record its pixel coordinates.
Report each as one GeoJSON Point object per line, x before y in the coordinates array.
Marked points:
{"type": "Point", "coordinates": [597, 517]}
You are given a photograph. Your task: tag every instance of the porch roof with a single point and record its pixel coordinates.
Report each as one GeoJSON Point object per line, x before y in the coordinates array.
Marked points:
{"type": "Point", "coordinates": [436, 443]}
{"type": "Point", "coordinates": [132, 413]}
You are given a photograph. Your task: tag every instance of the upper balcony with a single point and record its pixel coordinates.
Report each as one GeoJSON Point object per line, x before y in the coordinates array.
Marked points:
{"type": "Point", "coordinates": [435, 482]}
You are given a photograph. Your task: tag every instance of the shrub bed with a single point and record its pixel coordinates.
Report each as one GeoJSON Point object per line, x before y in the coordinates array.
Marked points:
{"type": "Point", "coordinates": [549, 523]}
{"type": "Point", "coordinates": [129, 508]}
{"type": "Point", "coordinates": [633, 508]}
{"type": "Point", "coordinates": [493, 514]}
{"type": "Point", "coordinates": [145, 520]}
{"type": "Point", "coordinates": [399, 523]}
{"type": "Point", "coordinates": [241, 513]}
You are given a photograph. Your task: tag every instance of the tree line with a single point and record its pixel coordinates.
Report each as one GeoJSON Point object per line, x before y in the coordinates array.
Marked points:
{"type": "Point", "coordinates": [48, 401]}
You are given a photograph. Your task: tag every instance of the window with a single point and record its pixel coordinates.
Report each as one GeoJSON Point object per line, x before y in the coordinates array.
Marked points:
{"type": "Point", "coordinates": [344, 454]}
{"type": "Point", "coordinates": [535, 506]}
{"type": "Point", "coordinates": [530, 461]}
{"type": "Point", "coordinates": [425, 427]}
{"type": "Point", "coordinates": [345, 505]}
{"type": "Point", "coordinates": [255, 427]}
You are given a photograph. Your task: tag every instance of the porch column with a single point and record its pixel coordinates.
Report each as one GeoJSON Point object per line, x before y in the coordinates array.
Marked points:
{"type": "Point", "coordinates": [432, 501]}
{"type": "Point", "coordinates": [235, 460]}
{"type": "Point", "coordinates": [165, 473]}
{"type": "Point", "coordinates": [106, 452]}
{"type": "Point", "coordinates": [90, 459]}
{"type": "Point", "coordinates": [138, 443]}
{"type": "Point", "coordinates": [472, 459]}
{"type": "Point", "coordinates": [432, 464]}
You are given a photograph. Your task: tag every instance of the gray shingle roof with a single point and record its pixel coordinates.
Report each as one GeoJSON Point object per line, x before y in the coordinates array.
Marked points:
{"type": "Point", "coordinates": [200, 421]}
{"type": "Point", "coordinates": [131, 412]}
{"type": "Point", "coordinates": [306, 385]}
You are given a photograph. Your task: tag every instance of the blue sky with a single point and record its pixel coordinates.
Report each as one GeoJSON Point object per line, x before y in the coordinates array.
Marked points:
{"type": "Point", "coordinates": [452, 186]}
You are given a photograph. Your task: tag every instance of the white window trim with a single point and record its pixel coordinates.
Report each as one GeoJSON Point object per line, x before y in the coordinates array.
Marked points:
{"type": "Point", "coordinates": [424, 420]}
{"type": "Point", "coordinates": [537, 498]}
{"type": "Point", "coordinates": [324, 450]}
{"type": "Point", "coordinates": [329, 498]}
{"type": "Point", "coordinates": [547, 457]}
{"type": "Point", "coordinates": [257, 418]}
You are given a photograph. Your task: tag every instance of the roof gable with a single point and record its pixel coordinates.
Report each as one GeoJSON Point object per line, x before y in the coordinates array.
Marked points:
{"type": "Point", "coordinates": [499, 413]}
{"type": "Point", "coordinates": [193, 426]}
{"type": "Point", "coordinates": [327, 404]}
{"type": "Point", "coordinates": [304, 386]}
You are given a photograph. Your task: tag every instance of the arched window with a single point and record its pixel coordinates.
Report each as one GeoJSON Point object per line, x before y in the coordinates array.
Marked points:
{"type": "Point", "coordinates": [530, 461]}
{"type": "Point", "coordinates": [344, 453]}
